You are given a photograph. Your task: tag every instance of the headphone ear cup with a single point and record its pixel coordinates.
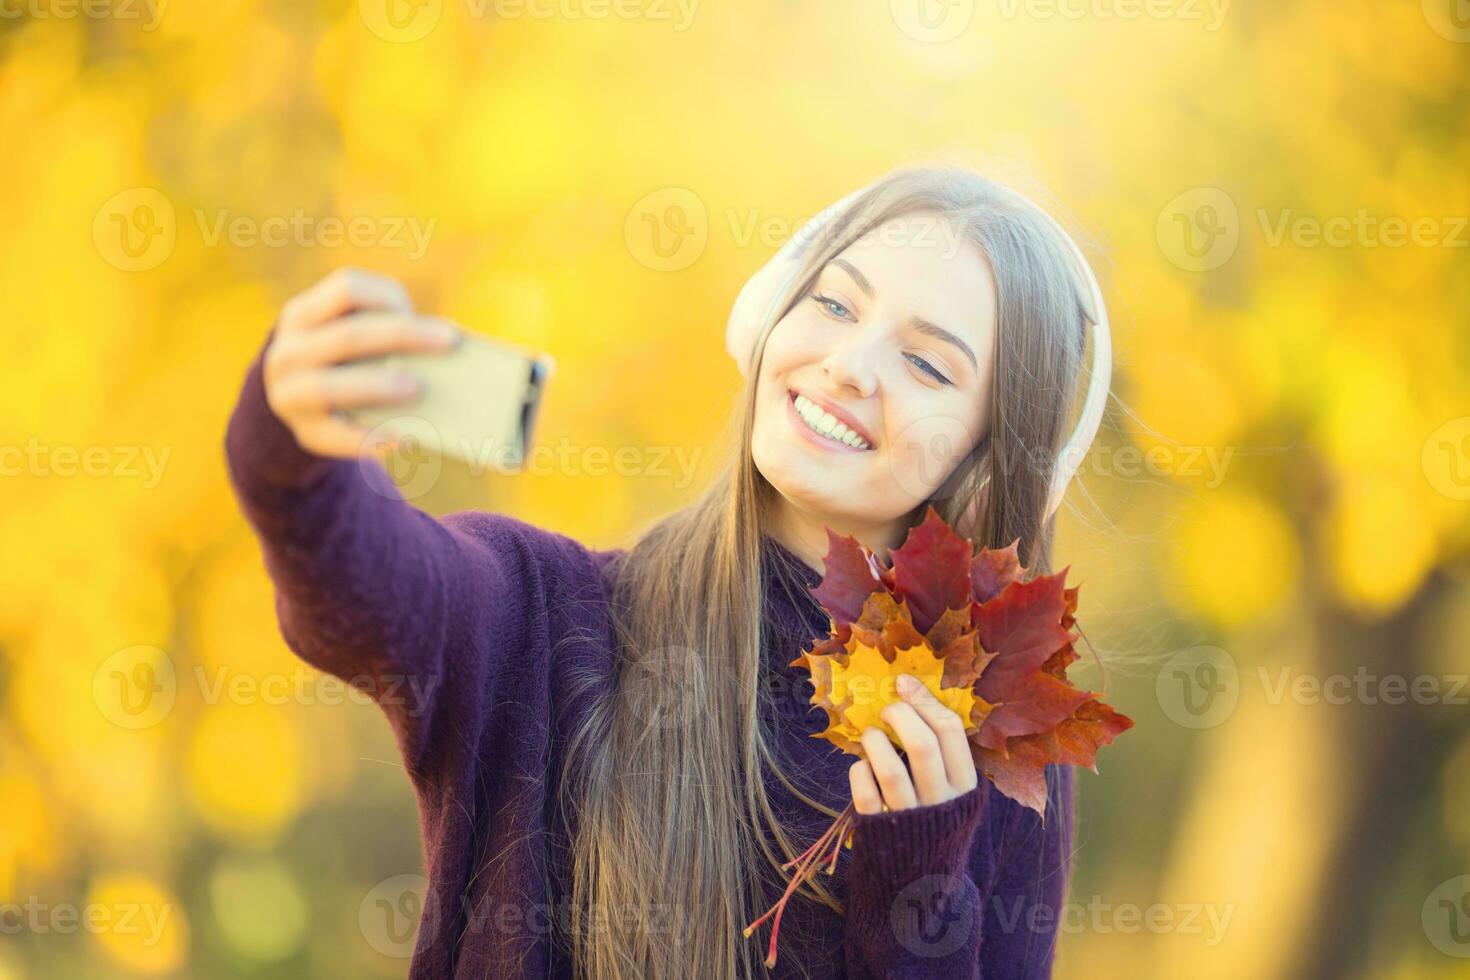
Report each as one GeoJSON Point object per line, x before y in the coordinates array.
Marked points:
{"type": "Point", "coordinates": [750, 306]}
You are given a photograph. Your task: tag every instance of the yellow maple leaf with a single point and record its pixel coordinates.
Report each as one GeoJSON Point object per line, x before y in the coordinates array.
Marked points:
{"type": "Point", "coordinates": [867, 682]}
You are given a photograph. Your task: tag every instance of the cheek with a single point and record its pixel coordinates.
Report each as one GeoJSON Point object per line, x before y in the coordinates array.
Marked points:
{"type": "Point", "coordinates": [927, 438]}
{"type": "Point", "coordinates": [797, 338]}
{"type": "Point", "coordinates": [786, 350]}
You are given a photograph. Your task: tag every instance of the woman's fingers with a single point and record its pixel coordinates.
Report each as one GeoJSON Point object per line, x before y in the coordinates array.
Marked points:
{"type": "Point", "coordinates": [363, 335]}
{"type": "Point", "coordinates": [865, 795]}
{"type": "Point", "coordinates": [939, 767]}
{"type": "Point", "coordinates": [308, 368]}
{"type": "Point", "coordinates": [949, 730]}
{"type": "Point", "coordinates": [889, 770]}
{"type": "Point", "coordinates": [921, 747]}
{"type": "Point", "coordinates": [342, 292]}
{"type": "Point", "coordinates": [317, 392]}
{"type": "Point", "coordinates": [332, 436]}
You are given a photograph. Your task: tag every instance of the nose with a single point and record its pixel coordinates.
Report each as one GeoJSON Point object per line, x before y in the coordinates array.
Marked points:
{"type": "Point", "coordinates": [851, 365]}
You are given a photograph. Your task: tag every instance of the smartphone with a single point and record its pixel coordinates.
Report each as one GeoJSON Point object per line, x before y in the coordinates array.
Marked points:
{"type": "Point", "coordinates": [478, 403]}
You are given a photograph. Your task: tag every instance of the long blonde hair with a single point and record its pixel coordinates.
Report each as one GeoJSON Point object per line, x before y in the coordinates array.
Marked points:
{"type": "Point", "coordinates": [674, 817]}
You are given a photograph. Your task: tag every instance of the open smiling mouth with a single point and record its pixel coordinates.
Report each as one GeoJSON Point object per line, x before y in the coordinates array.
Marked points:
{"type": "Point", "coordinates": [821, 428]}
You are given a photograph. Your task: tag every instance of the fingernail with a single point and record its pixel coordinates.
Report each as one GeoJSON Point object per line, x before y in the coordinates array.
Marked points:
{"type": "Point", "coordinates": [443, 332]}
{"type": "Point", "coordinates": [406, 383]}
{"type": "Point", "coordinates": [907, 684]}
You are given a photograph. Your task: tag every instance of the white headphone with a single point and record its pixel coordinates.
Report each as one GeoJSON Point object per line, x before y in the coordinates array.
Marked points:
{"type": "Point", "coordinates": [754, 306]}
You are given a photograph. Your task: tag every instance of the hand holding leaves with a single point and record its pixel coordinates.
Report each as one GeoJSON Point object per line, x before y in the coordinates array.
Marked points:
{"type": "Point", "coordinates": [935, 741]}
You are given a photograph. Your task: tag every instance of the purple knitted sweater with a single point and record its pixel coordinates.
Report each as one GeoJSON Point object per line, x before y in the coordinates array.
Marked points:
{"type": "Point", "coordinates": [455, 619]}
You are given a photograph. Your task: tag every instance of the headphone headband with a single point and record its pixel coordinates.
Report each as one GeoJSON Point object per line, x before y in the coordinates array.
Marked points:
{"type": "Point", "coordinates": [754, 306]}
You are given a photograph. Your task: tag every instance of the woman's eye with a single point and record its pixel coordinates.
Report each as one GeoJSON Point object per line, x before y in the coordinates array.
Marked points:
{"type": "Point", "coordinates": [832, 306]}
{"type": "Point", "coordinates": [928, 368]}
{"type": "Point", "coordinates": [828, 303]}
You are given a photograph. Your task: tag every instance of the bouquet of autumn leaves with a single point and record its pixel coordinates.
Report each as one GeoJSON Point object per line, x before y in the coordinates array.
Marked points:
{"type": "Point", "coordinates": [987, 643]}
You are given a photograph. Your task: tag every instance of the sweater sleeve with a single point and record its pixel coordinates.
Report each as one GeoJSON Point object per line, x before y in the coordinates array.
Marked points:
{"type": "Point", "coordinates": [425, 615]}
{"type": "Point", "coordinates": [963, 890]}
{"type": "Point", "coordinates": [1030, 866]}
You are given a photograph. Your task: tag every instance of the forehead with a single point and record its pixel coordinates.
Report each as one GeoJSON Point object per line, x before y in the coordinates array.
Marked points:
{"type": "Point", "coordinates": [923, 264]}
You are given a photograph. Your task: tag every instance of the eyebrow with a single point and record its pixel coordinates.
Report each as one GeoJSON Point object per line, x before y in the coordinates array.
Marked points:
{"type": "Point", "coordinates": [917, 322]}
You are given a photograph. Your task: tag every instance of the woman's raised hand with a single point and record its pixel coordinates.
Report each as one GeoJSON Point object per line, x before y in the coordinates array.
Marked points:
{"type": "Point", "coordinates": [310, 371]}
{"type": "Point", "coordinates": [938, 750]}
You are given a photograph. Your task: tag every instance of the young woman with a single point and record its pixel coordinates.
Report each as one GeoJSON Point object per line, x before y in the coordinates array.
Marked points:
{"type": "Point", "coordinates": [611, 751]}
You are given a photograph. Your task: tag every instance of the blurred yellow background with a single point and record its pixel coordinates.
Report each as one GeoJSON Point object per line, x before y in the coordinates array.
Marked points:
{"type": "Point", "coordinates": [1272, 532]}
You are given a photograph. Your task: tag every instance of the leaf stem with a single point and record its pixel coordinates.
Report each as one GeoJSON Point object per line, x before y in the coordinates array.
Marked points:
{"type": "Point", "coordinates": [805, 864]}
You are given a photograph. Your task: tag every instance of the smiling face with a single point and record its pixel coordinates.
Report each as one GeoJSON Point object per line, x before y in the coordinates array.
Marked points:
{"type": "Point", "coordinates": [890, 354]}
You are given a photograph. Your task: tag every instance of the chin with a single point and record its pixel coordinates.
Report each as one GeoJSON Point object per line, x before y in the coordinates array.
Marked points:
{"type": "Point", "coordinates": [815, 489]}
{"type": "Point", "coordinates": [795, 479]}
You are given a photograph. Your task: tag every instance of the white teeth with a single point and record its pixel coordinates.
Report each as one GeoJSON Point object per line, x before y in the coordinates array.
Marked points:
{"type": "Point", "coordinates": [825, 423]}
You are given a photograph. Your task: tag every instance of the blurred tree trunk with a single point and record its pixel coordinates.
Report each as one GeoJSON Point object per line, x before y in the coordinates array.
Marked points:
{"type": "Point", "coordinates": [1394, 756]}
